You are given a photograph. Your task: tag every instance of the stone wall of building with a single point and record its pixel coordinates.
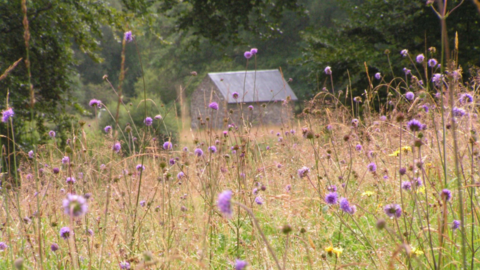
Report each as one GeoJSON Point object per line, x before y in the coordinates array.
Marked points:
{"type": "Point", "coordinates": [268, 113]}
{"type": "Point", "coordinates": [206, 93]}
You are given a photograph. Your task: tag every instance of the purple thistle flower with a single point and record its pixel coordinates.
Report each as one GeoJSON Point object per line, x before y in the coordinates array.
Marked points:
{"type": "Point", "coordinates": [406, 185]}
{"type": "Point", "coordinates": [372, 167]}
{"type": "Point", "coordinates": [180, 175]}
{"type": "Point", "coordinates": [404, 52]}
{"type": "Point", "coordinates": [417, 181]}
{"type": "Point", "coordinates": [355, 122]}
{"type": "Point", "coordinates": [54, 247]}
{"type": "Point", "coordinates": [437, 79]}
{"type": "Point", "coordinates": [213, 106]}
{"type": "Point", "coordinates": [224, 203]}
{"type": "Point", "coordinates": [240, 265]}
{"type": "Point", "coordinates": [148, 121]}
{"type": "Point", "coordinates": [65, 232]}
{"type": "Point", "coordinates": [383, 118]}
{"type": "Point", "coordinates": [459, 112]}
{"type": "Point", "coordinates": [65, 160]}
{"type": "Point", "coordinates": [172, 161]}
{"type": "Point", "coordinates": [446, 194]}
{"type": "Point", "coordinates": [255, 191]}
{"type": "Point", "coordinates": [3, 246]}
{"type": "Point", "coordinates": [107, 129]}
{"type": "Point", "coordinates": [331, 198]}
{"type": "Point", "coordinates": [185, 149]}
{"type": "Point", "coordinates": [254, 51]}
{"type": "Point", "coordinates": [212, 149]}
{"type": "Point", "coordinates": [247, 54]}
{"type": "Point", "coordinates": [198, 152]}
{"type": "Point", "coordinates": [420, 58]}
{"type": "Point", "coordinates": [358, 147]}
{"type": "Point", "coordinates": [52, 134]}
{"type": "Point", "coordinates": [402, 171]}
{"type": "Point", "coordinates": [302, 172]}
{"type": "Point", "coordinates": [125, 265]}
{"type": "Point", "coordinates": [167, 145]}
{"type": "Point", "coordinates": [117, 147]}
{"type": "Point", "coordinates": [258, 200]}
{"type": "Point", "coordinates": [378, 75]}
{"type": "Point", "coordinates": [432, 62]}
{"type": "Point", "coordinates": [455, 224]}
{"type": "Point", "coordinates": [71, 180]}
{"type": "Point", "coordinates": [346, 207]}
{"type": "Point", "coordinates": [235, 95]}
{"type": "Point", "coordinates": [426, 108]}
{"type": "Point", "coordinates": [407, 71]}
{"type": "Point", "coordinates": [128, 36]}
{"type": "Point", "coordinates": [393, 210]}
{"type": "Point", "coordinates": [7, 114]}
{"type": "Point", "coordinates": [140, 167]}
{"type": "Point", "coordinates": [75, 205]}
{"type": "Point", "coordinates": [143, 203]}
{"type": "Point", "coordinates": [30, 154]}
{"type": "Point", "coordinates": [465, 98]}
{"type": "Point", "coordinates": [95, 102]}
{"type": "Point", "coordinates": [250, 107]}
{"type": "Point", "coordinates": [409, 96]}
{"type": "Point", "coordinates": [56, 170]}
{"type": "Point", "coordinates": [414, 125]}
{"type": "Point", "coordinates": [328, 70]}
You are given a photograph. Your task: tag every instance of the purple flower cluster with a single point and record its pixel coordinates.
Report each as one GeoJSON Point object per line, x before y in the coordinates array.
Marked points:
{"type": "Point", "coordinates": [446, 194]}
{"type": "Point", "coordinates": [414, 125]}
{"type": "Point", "coordinates": [167, 145]}
{"type": "Point", "coordinates": [393, 210]}
{"type": "Point", "coordinates": [346, 207]}
{"type": "Point", "coordinates": [213, 106]}
{"type": "Point", "coordinates": [7, 114]}
{"type": "Point", "coordinates": [65, 232]}
{"type": "Point", "coordinates": [240, 265]}
{"type": "Point", "coordinates": [95, 103]}
{"type": "Point", "coordinates": [128, 36]}
{"type": "Point", "coordinates": [148, 121]}
{"type": "Point", "coordinates": [75, 205]}
{"type": "Point", "coordinates": [331, 198]}
{"type": "Point", "coordinates": [224, 203]}
{"type": "Point", "coordinates": [372, 167]}
{"type": "Point", "coordinates": [198, 152]}
{"type": "Point", "coordinates": [302, 172]}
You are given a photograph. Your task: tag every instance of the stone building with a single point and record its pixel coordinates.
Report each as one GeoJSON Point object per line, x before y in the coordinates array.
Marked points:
{"type": "Point", "coordinates": [264, 97]}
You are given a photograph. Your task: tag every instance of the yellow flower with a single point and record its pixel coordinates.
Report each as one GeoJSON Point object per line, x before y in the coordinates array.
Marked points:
{"type": "Point", "coordinates": [421, 190]}
{"type": "Point", "coordinates": [405, 149]}
{"type": "Point", "coordinates": [368, 193]}
{"type": "Point", "coordinates": [331, 250]}
{"type": "Point", "coordinates": [394, 154]}
{"type": "Point", "coordinates": [416, 252]}
{"type": "Point", "coordinates": [338, 251]}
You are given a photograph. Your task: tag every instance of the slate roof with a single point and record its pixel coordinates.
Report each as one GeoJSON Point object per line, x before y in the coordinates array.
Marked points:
{"type": "Point", "coordinates": [269, 85]}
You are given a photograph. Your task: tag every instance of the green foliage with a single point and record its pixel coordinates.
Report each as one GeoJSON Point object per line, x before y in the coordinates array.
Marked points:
{"type": "Point", "coordinates": [374, 26]}
{"type": "Point", "coordinates": [55, 26]}
{"type": "Point", "coordinates": [133, 114]}
{"type": "Point", "coordinates": [223, 21]}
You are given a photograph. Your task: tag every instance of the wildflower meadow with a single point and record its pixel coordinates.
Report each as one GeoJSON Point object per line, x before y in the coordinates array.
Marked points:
{"type": "Point", "coordinates": [386, 179]}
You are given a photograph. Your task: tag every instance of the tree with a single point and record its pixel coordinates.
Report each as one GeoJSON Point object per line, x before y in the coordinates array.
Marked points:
{"type": "Point", "coordinates": [55, 26]}
{"type": "Point", "coordinates": [374, 27]}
